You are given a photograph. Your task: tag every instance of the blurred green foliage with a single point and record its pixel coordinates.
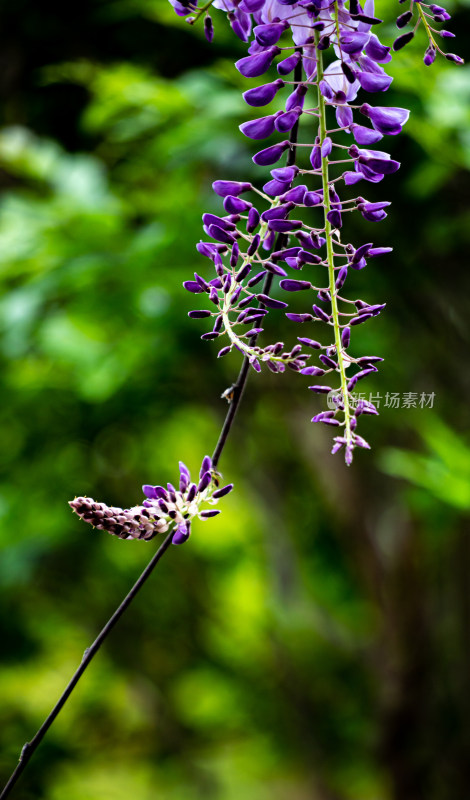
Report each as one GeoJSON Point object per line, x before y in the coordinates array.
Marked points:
{"type": "Point", "coordinates": [314, 640]}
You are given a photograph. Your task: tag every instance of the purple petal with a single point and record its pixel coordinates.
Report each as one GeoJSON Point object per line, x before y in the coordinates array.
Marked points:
{"type": "Point", "coordinates": [267, 35]}
{"type": "Point", "coordinates": [253, 5]}
{"type": "Point", "coordinates": [340, 280]}
{"type": "Point", "coordinates": [321, 389]}
{"type": "Point", "coordinates": [181, 534]}
{"type": "Point", "coordinates": [315, 157]}
{"type": "Point", "coordinates": [320, 313]}
{"type": "Point", "coordinates": [199, 314]}
{"type": "Point", "coordinates": [275, 188]}
{"type": "Point", "coordinates": [313, 199]}
{"type": "Point", "coordinates": [213, 219]}
{"type": "Point", "coordinates": [253, 66]}
{"type": "Point", "coordinates": [253, 220]}
{"type": "Point", "coordinates": [206, 466]}
{"type": "Point", "coordinates": [224, 188]}
{"type": "Point", "coordinates": [404, 19]}
{"type": "Point", "coordinates": [262, 95]}
{"type": "Point", "coordinates": [287, 253]}
{"type": "Point", "coordinates": [297, 98]}
{"type": "Point", "coordinates": [284, 225]}
{"type": "Point", "coordinates": [222, 492]}
{"type": "Point", "coordinates": [310, 343]}
{"type": "Point", "coordinates": [271, 154]}
{"type": "Point", "coordinates": [360, 319]}
{"type": "Point", "coordinates": [312, 371]}
{"type": "Point", "coordinates": [286, 174]}
{"type": "Point", "coordinates": [403, 40]}
{"type": "Point", "coordinates": [192, 286]}
{"type": "Point", "coordinates": [323, 416]}
{"type": "Point", "coordinates": [353, 42]}
{"type": "Point", "coordinates": [278, 212]}
{"type": "Point", "coordinates": [344, 116]}
{"type": "Point", "coordinates": [258, 128]}
{"type": "Point", "coordinates": [192, 491]}
{"type": "Point", "coordinates": [454, 58]}
{"type": "Point", "coordinates": [275, 269]}
{"type": "Point", "coordinates": [149, 491]}
{"type": "Point", "coordinates": [372, 82]}
{"type": "Point", "coordinates": [290, 285]}
{"type": "Point", "coordinates": [308, 258]}
{"type": "Point", "coordinates": [235, 205]}
{"type": "Point", "coordinates": [379, 251]}
{"type": "Point", "coordinates": [285, 122]}
{"type": "Point", "coordinates": [365, 136]}
{"type": "Point", "coordinates": [296, 194]}
{"type": "Point", "coordinates": [208, 28]}
{"type": "Point", "coordinates": [386, 120]}
{"type": "Point", "coordinates": [326, 147]}
{"type": "Point", "coordinates": [299, 317]}
{"type": "Point", "coordinates": [204, 481]}
{"type": "Point", "coordinates": [270, 302]}
{"type": "Point", "coordinates": [220, 234]}
{"type": "Point", "coordinates": [350, 178]}
{"type": "Point", "coordinates": [377, 51]}
{"type": "Point", "coordinates": [288, 64]}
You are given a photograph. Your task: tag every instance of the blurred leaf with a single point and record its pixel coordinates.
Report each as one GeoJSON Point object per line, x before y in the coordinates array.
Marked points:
{"type": "Point", "coordinates": [445, 473]}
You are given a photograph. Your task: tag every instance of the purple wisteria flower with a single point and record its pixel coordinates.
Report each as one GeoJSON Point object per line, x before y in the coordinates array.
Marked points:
{"type": "Point", "coordinates": [164, 508]}
{"type": "Point", "coordinates": [326, 54]}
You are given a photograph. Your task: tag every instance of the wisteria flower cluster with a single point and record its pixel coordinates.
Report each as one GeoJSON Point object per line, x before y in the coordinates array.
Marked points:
{"type": "Point", "coordinates": [290, 231]}
{"type": "Point", "coordinates": [162, 510]}
{"type": "Point", "coordinates": [326, 52]}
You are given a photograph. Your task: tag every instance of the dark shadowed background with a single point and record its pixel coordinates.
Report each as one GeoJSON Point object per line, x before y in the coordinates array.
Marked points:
{"type": "Point", "coordinates": [312, 642]}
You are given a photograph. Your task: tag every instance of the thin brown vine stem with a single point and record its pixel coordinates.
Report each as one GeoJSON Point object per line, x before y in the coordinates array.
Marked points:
{"type": "Point", "coordinates": [30, 747]}
{"type": "Point", "coordinates": [237, 391]}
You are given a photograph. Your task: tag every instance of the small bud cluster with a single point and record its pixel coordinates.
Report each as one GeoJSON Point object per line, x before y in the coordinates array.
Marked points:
{"type": "Point", "coordinates": [163, 508]}
{"type": "Point", "coordinates": [430, 15]}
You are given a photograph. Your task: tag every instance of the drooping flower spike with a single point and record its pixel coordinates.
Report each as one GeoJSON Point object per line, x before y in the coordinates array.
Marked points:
{"type": "Point", "coordinates": [164, 508]}
{"type": "Point", "coordinates": [289, 232]}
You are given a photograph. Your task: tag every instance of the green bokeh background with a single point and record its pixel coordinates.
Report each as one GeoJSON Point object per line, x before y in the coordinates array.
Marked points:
{"type": "Point", "coordinates": [313, 641]}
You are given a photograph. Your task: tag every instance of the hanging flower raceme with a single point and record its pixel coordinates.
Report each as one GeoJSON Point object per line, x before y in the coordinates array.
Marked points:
{"type": "Point", "coordinates": [290, 233]}
{"type": "Point", "coordinates": [164, 508]}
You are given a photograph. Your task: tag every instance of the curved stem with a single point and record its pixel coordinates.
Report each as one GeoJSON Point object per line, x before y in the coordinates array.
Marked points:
{"type": "Point", "coordinates": [202, 10]}
{"type": "Point", "coordinates": [428, 28]}
{"type": "Point", "coordinates": [30, 747]}
{"type": "Point", "coordinates": [248, 348]}
{"type": "Point", "coordinates": [330, 258]}
{"type": "Point", "coordinates": [239, 385]}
